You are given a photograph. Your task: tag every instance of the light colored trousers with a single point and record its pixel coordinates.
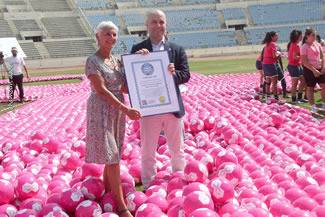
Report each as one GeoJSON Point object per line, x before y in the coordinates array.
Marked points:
{"type": "Point", "coordinates": [150, 128]}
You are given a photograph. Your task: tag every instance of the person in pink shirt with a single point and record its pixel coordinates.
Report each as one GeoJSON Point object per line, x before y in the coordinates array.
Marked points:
{"type": "Point", "coordinates": [294, 67]}
{"type": "Point", "coordinates": [313, 66]}
{"type": "Point", "coordinates": [269, 63]}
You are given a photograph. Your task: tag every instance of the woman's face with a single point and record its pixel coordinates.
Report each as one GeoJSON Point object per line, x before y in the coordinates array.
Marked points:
{"type": "Point", "coordinates": [107, 38]}
{"type": "Point", "coordinates": [275, 37]}
{"type": "Point", "coordinates": [300, 38]}
{"type": "Point", "coordinates": [311, 37]}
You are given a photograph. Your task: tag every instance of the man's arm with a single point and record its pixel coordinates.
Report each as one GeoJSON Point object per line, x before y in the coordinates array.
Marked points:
{"type": "Point", "coordinates": [28, 76]}
{"type": "Point", "coordinates": [182, 70]}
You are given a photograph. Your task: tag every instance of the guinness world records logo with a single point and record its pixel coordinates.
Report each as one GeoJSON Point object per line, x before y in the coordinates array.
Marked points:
{"type": "Point", "coordinates": [147, 69]}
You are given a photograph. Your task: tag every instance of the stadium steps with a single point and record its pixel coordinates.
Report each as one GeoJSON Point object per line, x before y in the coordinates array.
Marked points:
{"type": "Point", "coordinates": [42, 50]}
{"type": "Point", "coordinates": [177, 2]}
{"type": "Point", "coordinates": [30, 50]}
{"type": "Point", "coordinates": [221, 19]}
{"type": "Point", "coordinates": [241, 37]}
{"type": "Point", "coordinates": [249, 17]}
{"type": "Point", "coordinates": [50, 5]}
{"type": "Point", "coordinates": [122, 23]}
{"type": "Point", "coordinates": [14, 29]}
{"type": "Point", "coordinates": [5, 30]}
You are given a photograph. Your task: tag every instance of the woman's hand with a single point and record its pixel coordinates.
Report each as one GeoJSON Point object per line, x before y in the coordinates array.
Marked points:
{"type": "Point", "coordinates": [316, 73]}
{"type": "Point", "coordinates": [133, 114]}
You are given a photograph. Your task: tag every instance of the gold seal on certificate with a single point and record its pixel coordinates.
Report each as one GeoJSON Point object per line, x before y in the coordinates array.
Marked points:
{"type": "Point", "coordinates": [152, 89]}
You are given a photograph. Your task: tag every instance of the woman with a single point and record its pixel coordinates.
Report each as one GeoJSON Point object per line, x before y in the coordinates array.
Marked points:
{"type": "Point", "coordinates": [106, 112]}
{"type": "Point", "coordinates": [260, 71]}
{"type": "Point", "coordinates": [270, 58]}
{"type": "Point", "coordinates": [313, 66]}
{"type": "Point", "coordinates": [294, 67]}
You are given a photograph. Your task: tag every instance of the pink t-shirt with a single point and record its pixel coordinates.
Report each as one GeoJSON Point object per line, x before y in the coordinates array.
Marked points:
{"type": "Point", "coordinates": [259, 58]}
{"type": "Point", "coordinates": [294, 48]}
{"type": "Point", "coordinates": [313, 54]}
{"type": "Point", "coordinates": [268, 53]}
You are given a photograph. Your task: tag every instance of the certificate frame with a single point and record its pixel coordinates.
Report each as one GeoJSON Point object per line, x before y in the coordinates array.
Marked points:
{"type": "Point", "coordinates": [152, 89]}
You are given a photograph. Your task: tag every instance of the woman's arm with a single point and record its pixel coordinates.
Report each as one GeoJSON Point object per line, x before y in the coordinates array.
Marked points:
{"type": "Point", "coordinates": [295, 56]}
{"type": "Point", "coordinates": [99, 85]}
{"type": "Point", "coordinates": [309, 66]}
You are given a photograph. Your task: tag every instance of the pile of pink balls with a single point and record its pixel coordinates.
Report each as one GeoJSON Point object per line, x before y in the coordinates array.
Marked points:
{"type": "Point", "coordinates": [244, 158]}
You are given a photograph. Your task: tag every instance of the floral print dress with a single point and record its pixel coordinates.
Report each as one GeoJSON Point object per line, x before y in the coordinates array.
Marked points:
{"type": "Point", "coordinates": [105, 123]}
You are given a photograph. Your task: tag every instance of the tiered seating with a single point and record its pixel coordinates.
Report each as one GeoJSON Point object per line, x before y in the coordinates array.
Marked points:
{"type": "Point", "coordinates": [256, 36]}
{"type": "Point", "coordinates": [50, 5]}
{"type": "Point", "coordinates": [156, 3]}
{"type": "Point", "coordinates": [93, 4]}
{"type": "Point", "coordinates": [124, 0]}
{"type": "Point", "coordinates": [5, 30]}
{"type": "Point", "coordinates": [27, 25]}
{"type": "Point", "coordinates": [134, 19]}
{"type": "Point", "coordinates": [233, 13]}
{"type": "Point", "coordinates": [124, 45]}
{"type": "Point", "coordinates": [284, 13]}
{"type": "Point", "coordinates": [71, 48]}
{"type": "Point", "coordinates": [63, 27]}
{"type": "Point", "coordinates": [14, 2]}
{"type": "Point", "coordinates": [205, 39]}
{"type": "Point", "coordinates": [94, 20]}
{"type": "Point", "coordinates": [198, 2]}
{"type": "Point", "coordinates": [191, 20]}
{"type": "Point", "coordinates": [30, 50]}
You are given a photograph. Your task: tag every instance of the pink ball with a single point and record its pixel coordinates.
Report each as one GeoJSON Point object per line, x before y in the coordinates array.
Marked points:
{"type": "Point", "coordinates": [241, 214]}
{"type": "Point", "coordinates": [145, 209]}
{"type": "Point", "coordinates": [275, 119]}
{"type": "Point", "coordinates": [319, 211]}
{"type": "Point", "coordinates": [228, 209]}
{"type": "Point", "coordinates": [221, 190]}
{"type": "Point", "coordinates": [161, 140]}
{"type": "Point", "coordinates": [8, 210]}
{"type": "Point", "coordinates": [195, 186]}
{"type": "Point", "coordinates": [50, 207]}
{"type": "Point", "coordinates": [204, 158]}
{"type": "Point", "coordinates": [300, 213]}
{"type": "Point", "coordinates": [54, 198]}
{"type": "Point", "coordinates": [126, 151]}
{"type": "Point", "coordinates": [209, 122]}
{"type": "Point", "coordinates": [32, 203]}
{"type": "Point", "coordinates": [195, 171]}
{"type": "Point", "coordinates": [295, 193]}
{"type": "Point", "coordinates": [70, 199]}
{"type": "Point", "coordinates": [225, 156]}
{"type": "Point", "coordinates": [26, 186]}
{"type": "Point", "coordinates": [79, 147]}
{"type": "Point", "coordinates": [157, 214]}
{"type": "Point", "coordinates": [50, 144]}
{"type": "Point", "coordinates": [196, 125]}
{"type": "Point", "coordinates": [196, 200]}
{"type": "Point", "coordinates": [7, 191]}
{"type": "Point", "coordinates": [88, 208]}
{"type": "Point", "coordinates": [70, 160]}
{"type": "Point", "coordinates": [250, 203]}
{"type": "Point", "coordinates": [161, 202]}
{"type": "Point", "coordinates": [305, 203]}
{"type": "Point", "coordinates": [91, 169]}
{"type": "Point", "coordinates": [320, 198]}
{"type": "Point", "coordinates": [230, 171]}
{"type": "Point", "coordinates": [156, 190]}
{"type": "Point", "coordinates": [176, 183]}
{"type": "Point", "coordinates": [108, 203]}
{"type": "Point", "coordinates": [93, 188]}
{"type": "Point", "coordinates": [176, 211]}
{"type": "Point", "coordinates": [203, 212]}
{"type": "Point", "coordinates": [135, 200]}
{"type": "Point", "coordinates": [174, 194]}
{"type": "Point", "coordinates": [26, 213]}
{"type": "Point", "coordinates": [109, 214]}
{"type": "Point", "coordinates": [58, 213]}
{"type": "Point", "coordinates": [259, 212]}
{"type": "Point", "coordinates": [280, 209]}
{"type": "Point", "coordinates": [135, 172]}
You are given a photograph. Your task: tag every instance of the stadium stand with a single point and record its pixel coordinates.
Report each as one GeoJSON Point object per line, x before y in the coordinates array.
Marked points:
{"type": "Point", "coordinates": [134, 19]}
{"type": "Point", "coordinates": [70, 48]}
{"type": "Point", "coordinates": [50, 5]}
{"type": "Point", "coordinates": [233, 13]}
{"type": "Point", "coordinates": [124, 44]}
{"type": "Point", "coordinates": [284, 13]}
{"type": "Point", "coordinates": [14, 2]}
{"type": "Point", "coordinates": [94, 4]}
{"type": "Point", "coordinates": [63, 27]}
{"type": "Point", "coordinates": [192, 20]}
{"type": "Point", "coordinates": [5, 30]}
{"type": "Point", "coordinates": [27, 25]}
{"type": "Point", "coordinates": [30, 50]}
{"type": "Point", "coordinates": [156, 3]}
{"type": "Point", "coordinates": [198, 2]}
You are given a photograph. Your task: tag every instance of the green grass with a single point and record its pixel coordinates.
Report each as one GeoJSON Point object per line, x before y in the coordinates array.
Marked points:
{"type": "Point", "coordinates": [67, 81]}
{"type": "Point", "coordinates": [212, 67]}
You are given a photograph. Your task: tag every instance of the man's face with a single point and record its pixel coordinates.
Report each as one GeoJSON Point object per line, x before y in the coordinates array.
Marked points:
{"type": "Point", "coordinates": [14, 53]}
{"type": "Point", "coordinates": [156, 25]}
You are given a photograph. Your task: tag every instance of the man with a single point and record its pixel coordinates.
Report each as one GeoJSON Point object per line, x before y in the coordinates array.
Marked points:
{"type": "Point", "coordinates": [15, 74]}
{"type": "Point", "coordinates": [150, 127]}
{"type": "Point", "coordinates": [279, 68]}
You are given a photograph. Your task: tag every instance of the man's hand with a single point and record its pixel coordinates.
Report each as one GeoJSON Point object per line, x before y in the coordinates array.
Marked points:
{"type": "Point", "coordinates": [143, 51]}
{"type": "Point", "coordinates": [171, 68]}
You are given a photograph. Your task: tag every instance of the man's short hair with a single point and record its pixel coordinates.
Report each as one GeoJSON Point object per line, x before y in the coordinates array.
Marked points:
{"type": "Point", "coordinates": [14, 48]}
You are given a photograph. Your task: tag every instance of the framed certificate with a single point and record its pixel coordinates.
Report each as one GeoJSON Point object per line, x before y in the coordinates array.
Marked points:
{"type": "Point", "coordinates": [151, 86]}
